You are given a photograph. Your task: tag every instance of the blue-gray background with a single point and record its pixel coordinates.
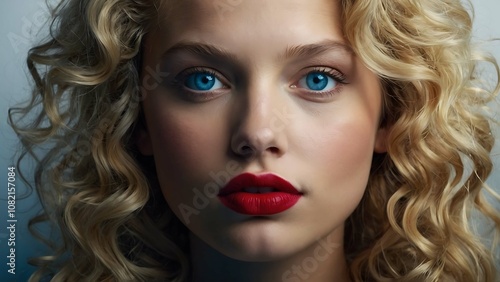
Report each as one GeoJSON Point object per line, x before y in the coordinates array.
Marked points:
{"type": "Point", "coordinates": [20, 22]}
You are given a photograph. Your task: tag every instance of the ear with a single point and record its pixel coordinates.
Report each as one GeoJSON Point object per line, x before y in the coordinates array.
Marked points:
{"type": "Point", "coordinates": [381, 139]}
{"type": "Point", "coordinates": [143, 141]}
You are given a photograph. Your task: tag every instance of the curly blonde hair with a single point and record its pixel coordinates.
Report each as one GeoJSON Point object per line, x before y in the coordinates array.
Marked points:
{"type": "Point", "coordinates": [414, 221]}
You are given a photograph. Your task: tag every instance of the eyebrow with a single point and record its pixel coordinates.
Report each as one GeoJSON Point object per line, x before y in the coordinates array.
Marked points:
{"type": "Point", "coordinates": [200, 49]}
{"type": "Point", "coordinates": [308, 50]}
{"type": "Point", "coordinates": [315, 49]}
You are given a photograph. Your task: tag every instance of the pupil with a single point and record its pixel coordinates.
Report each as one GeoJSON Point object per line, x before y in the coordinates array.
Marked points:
{"type": "Point", "coordinates": [205, 79]}
{"type": "Point", "coordinates": [317, 81]}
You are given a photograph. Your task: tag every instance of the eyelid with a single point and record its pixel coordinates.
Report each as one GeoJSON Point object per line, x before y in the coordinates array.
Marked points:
{"type": "Point", "coordinates": [179, 78]}
{"type": "Point", "coordinates": [199, 96]}
{"type": "Point", "coordinates": [335, 74]}
{"type": "Point", "coordinates": [332, 72]}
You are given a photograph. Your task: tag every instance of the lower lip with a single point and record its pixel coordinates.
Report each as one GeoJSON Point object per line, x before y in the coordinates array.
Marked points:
{"type": "Point", "coordinates": [259, 204]}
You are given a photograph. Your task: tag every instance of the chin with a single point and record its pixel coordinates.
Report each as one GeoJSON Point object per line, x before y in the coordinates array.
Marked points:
{"type": "Point", "coordinates": [257, 254]}
{"type": "Point", "coordinates": [258, 245]}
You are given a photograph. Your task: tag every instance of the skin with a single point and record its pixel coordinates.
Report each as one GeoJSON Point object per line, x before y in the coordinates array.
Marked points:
{"type": "Point", "coordinates": [262, 119]}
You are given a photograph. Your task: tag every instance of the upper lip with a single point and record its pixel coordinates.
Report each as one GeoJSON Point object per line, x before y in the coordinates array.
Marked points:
{"type": "Point", "coordinates": [247, 180]}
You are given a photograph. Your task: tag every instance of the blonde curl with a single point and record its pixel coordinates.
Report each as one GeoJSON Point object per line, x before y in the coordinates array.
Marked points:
{"type": "Point", "coordinates": [413, 223]}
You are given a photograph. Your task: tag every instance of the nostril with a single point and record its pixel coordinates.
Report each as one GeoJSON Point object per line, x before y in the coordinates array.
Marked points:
{"type": "Point", "coordinates": [246, 150]}
{"type": "Point", "coordinates": [273, 150]}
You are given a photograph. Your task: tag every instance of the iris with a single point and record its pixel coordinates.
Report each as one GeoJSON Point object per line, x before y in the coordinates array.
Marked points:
{"type": "Point", "coordinates": [201, 81]}
{"type": "Point", "coordinates": [318, 81]}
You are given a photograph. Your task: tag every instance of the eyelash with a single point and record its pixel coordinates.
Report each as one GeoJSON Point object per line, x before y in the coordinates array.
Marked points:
{"type": "Point", "coordinates": [180, 79]}
{"type": "Point", "coordinates": [336, 75]}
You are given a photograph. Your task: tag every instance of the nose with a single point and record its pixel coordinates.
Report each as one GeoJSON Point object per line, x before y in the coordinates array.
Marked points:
{"type": "Point", "coordinates": [258, 130]}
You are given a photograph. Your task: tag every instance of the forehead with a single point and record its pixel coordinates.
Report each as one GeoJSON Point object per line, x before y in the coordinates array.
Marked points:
{"type": "Point", "coordinates": [223, 8]}
{"type": "Point", "coordinates": [249, 16]}
{"type": "Point", "coordinates": [269, 22]}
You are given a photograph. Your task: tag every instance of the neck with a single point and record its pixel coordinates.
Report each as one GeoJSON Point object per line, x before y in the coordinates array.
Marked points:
{"type": "Point", "coordinates": [320, 262]}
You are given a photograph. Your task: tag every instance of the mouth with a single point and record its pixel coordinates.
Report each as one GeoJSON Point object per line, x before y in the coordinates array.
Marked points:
{"type": "Point", "coordinates": [263, 194]}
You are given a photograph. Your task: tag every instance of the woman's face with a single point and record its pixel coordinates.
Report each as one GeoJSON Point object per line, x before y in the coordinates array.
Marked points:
{"type": "Point", "coordinates": [260, 87]}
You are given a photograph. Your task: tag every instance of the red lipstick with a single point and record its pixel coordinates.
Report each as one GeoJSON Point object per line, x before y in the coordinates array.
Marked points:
{"type": "Point", "coordinates": [262, 194]}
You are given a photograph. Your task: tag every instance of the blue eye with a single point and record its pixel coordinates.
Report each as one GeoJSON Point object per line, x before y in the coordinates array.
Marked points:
{"type": "Point", "coordinates": [318, 81]}
{"type": "Point", "coordinates": [202, 81]}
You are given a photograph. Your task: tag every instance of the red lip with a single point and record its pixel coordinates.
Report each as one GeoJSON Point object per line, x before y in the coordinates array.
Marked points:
{"type": "Point", "coordinates": [283, 196]}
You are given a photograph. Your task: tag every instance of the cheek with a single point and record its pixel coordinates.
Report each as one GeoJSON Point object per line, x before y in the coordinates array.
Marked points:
{"type": "Point", "coordinates": [351, 144]}
{"type": "Point", "coordinates": [339, 158]}
{"type": "Point", "coordinates": [347, 148]}
{"type": "Point", "coordinates": [342, 147]}
{"type": "Point", "coordinates": [185, 147]}
{"type": "Point", "coordinates": [351, 158]}
{"type": "Point", "coordinates": [183, 142]}
{"type": "Point", "coordinates": [177, 143]}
